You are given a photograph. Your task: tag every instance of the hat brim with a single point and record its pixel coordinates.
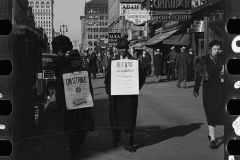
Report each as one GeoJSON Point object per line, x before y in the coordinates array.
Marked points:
{"type": "Point", "coordinates": [215, 42]}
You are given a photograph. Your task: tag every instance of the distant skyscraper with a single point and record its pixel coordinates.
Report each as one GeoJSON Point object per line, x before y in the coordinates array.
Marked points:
{"type": "Point", "coordinates": [43, 14]}
{"type": "Point", "coordinates": [94, 23]}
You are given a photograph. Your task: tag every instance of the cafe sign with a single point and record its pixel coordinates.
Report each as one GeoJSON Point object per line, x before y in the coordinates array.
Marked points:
{"type": "Point", "coordinates": [137, 17]}
{"type": "Point", "coordinates": [126, 6]}
{"type": "Point", "coordinates": [173, 17]}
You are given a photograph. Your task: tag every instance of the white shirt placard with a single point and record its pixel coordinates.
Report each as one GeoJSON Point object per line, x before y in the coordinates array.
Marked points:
{"type": "Point", "coordinates": [124, 77]}
{"type": "Point", "coordinates": [77, 90]}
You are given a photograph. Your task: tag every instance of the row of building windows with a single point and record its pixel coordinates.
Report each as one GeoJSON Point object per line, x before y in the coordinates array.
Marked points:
{"type": "Point", "coordinates": [43, 25]}
{"type": "Point", "coordinates": [43, 21]}
{"type": "Point", "coordinates": [97, 23]}
{"type": "Point", "coordinates": [42, 14]}
{"type": "Point", "coordinates": [97, 30]}
{"type": "Point", "coordinates": [90, 36]}
{"type": "Point", "coordinates": [42, 10]}
{"type": "Point", "coordinates": [40, 6]}
{"type": "Point", "coordinates": [37, 2]}
{"type": "Point", "coordinates": [97, 17]}
{"type": "Point", "coordinates": [96, 5]}
{"type": "Point", "coordinates": [43, 18]}
{"type": "Point", "coordinates": [103, 11]}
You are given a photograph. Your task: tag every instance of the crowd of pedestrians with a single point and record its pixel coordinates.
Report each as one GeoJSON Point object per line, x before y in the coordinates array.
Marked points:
{"type": "Point", "coordinates": [123, 108]}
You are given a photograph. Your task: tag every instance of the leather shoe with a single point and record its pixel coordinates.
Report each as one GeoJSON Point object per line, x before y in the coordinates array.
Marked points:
{"type": "Point", "coordinates": [209, 138]}
{"type": "Point", "coordinates": [177, 85]}
{"type": "Point", "coordinates": [130, 148]}
{"type": "Point", "coordinates": [213, 144]}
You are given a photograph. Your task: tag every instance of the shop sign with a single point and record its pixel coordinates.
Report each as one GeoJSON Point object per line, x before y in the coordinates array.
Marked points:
{"type": "Point", "coordinates": [113, 37]}
{"type": "Point", "coordinates": [174, 17]}
{"type": "Point", "coordinates": [170, 5]}
{"type": "Point", "coordinates": [198, 3]}
{"type": "Point", "coordinates": [138, 28]}
{"type": "Point", "coordinates": [169, 25]}
{"type": "Point", "coordinates": [125, 6]}
{"type": "Point", "coordinates": [137, 17]}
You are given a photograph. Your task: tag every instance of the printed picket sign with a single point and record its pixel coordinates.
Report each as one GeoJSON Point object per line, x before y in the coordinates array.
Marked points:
{"type": "Point", "coordinates": [124, 77]}
{"type": "Point", "coordinates": [77, 90]}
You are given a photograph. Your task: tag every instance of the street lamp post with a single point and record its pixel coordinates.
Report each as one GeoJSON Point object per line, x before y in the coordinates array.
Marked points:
{"type": "Point", "coordinates": [62, 29]}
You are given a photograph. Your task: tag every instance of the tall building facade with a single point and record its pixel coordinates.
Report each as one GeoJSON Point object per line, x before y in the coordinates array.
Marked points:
{"type": "Point", "coordinates": [43, 15]}
{"type": "Point", "coordinates": [96, 22]}
{"type": "Point", "coordinates": [83, 34]}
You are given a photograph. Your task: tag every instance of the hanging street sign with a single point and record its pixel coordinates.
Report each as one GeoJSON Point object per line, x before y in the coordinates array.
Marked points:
{"type": "Point", "coordinates": [126, 6]}
{"type": "Point", "coordinates": [113, 37]}
{"type": "Point", "coordinates": [138, 28]}
{"type": "Point", "coordinates": [173, 17]}
{"type": "Point", "coordinates": [137, 17]}
{"type": "Point", "coordinates": [173, 5]}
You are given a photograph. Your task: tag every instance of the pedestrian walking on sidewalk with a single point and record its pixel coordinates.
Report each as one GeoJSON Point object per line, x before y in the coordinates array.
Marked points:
{"type": "Point", "coordinates": [211, 68]}
{"type": "Point", "coordinates": [123, 108]}
{"type": "Point", "coordinates": [158, 64]}
{"type": "Point", "coordinates": [77, 122]}
{"type": "Point", "coordinates": [171, 60]}
{"type": "Point", "coordinates": [146, 62]}
{"type": "Point", "coordinates": [191, 71]}
{"type": "Point", "coordinates": [105, 62]}
{"type": "Point", "coordinates": [181, 67]}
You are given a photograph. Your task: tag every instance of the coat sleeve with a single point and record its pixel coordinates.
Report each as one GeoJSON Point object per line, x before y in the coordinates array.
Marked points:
{"type": "Point", "coordinates": [107, 80]}
{"type": "Point", "coordinates": [142, 77]}
{"type": "Point", "coordinates": [90, 85]}
{"type": "Point", "coordinates": [60, 91]}
{"type": "Point", "coordinates": [177, 62]}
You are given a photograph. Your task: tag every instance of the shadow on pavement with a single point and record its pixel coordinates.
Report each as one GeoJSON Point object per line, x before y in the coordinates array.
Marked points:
{"type": "Point", "coordinates": [153, 135]}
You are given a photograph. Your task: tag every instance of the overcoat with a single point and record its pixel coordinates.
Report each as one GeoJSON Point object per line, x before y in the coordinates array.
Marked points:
{"type": "Point", "coordinates": [158, 64]}
{"type": "Point", "coordinates": [212, 90]}
{"type": "Point", "coordinates": [105, 63]}
{"type": "Point", "coordinates": [76, 120]}
{"type": "Point", "coordinates": [182, 63]}
{"type": "Point", "coordinates": [123, 109]}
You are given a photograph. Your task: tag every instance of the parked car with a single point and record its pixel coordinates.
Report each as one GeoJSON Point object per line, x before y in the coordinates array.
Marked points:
{"type": "Point", "coordinates": [50, 66]}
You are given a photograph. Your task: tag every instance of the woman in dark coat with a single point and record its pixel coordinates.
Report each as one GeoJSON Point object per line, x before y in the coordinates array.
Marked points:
{"type": "Point", "coordinates": [212, 88]}
{"type": "Point", "coordinates": [158, 64]}
{"type": "Point", "coordinates": [123, 108]}
{"type": "Point", "coordinates": [77, 122]}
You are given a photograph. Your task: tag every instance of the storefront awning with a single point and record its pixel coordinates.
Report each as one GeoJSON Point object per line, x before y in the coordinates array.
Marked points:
{"type": "Point", "coordinates": [159, 37]}
{"type": "Point", "coordinates": [138, 45]}
{"type": "Point", "coordinates": [182, 39]}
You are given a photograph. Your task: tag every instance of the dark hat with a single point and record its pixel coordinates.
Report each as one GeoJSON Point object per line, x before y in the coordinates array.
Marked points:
{"type": "Point", "coordinates": [72, 55]}
{"type": "Point", "coordinates": [215, 42]}
{"type": "Point", "coordinates": [122, 43]}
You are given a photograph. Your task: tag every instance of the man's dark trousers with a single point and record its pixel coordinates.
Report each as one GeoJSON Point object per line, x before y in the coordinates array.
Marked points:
{"type": "Point", "coordinates": [171, 71]}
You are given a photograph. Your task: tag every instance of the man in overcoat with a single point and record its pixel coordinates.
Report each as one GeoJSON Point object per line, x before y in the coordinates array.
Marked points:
{"type": "Point", "coordinates": [146, 62]}
{"type": "Point", "coordinates": [77, 122]}
{"type": "Point", "coordinates": [158, 64]}
{"type": "Point", "coordinates": [191, 71]}
{"type": "Point", "coordinates": [182, 63]}
{"type": "Point", "coordinates": [123, 108]}
{"type": "Point", "coordinates": [105, 62]}
{"type": "Point", "coordinates": [171, 59]}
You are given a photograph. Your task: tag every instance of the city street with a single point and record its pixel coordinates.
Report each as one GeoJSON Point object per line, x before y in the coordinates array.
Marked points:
{"type": "Point", "coordinates": [171, 125]}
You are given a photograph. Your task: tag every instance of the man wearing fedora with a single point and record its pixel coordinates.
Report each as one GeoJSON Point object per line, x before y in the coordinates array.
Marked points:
{"type": "Point", "coordinates": [77, 122]}
{"type": "Point", "coordinates": [182, 63]}
{"type": "Point", "coordinates": [146, 59]}
{"type": "Point", "coordinates": [171, 58]}
{"type": "Point", "coordinates": [123, 108]}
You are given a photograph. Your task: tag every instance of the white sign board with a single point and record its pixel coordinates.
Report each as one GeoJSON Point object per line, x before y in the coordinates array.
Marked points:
{"type": "Point", "coordinates": [77, 90]}
{"type": "Point", "coordinates": [124, 77]}
{"type": "Point", "coordinates": [125, 6]}
{"type": "Point", "coordinates": [137, 17]}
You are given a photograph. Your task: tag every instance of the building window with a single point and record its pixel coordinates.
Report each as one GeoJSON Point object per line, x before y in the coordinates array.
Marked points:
{"type": "Point", "coordinates": [90, 43]}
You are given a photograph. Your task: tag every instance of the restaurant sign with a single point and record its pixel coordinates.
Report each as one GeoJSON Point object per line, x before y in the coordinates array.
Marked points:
{"type": "Point", "coordinates": [170, 5]}
{"type": "Point", "coordinates": [113, 37]}
{"type": "Point", "coordinates": [126, 6]}
{"type": "Point", "coordinates": [137, 17]}
{"type": "Point", "coordinates": [173, 17]}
